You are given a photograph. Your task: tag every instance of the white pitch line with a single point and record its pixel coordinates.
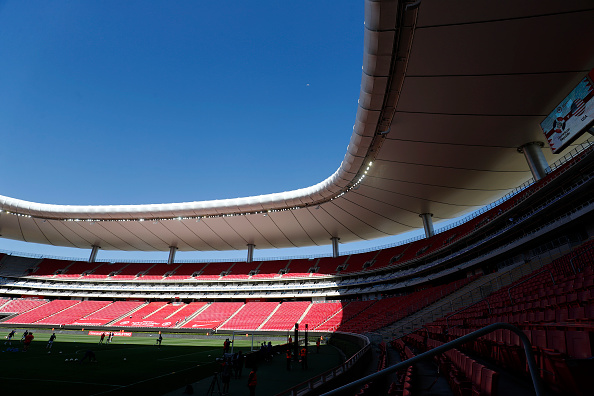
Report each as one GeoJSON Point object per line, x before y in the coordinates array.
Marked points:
{"type": "Point", "coordinates": [111, 350]}
{"type": "Point", "coordinates": [187, 354]}
{"type": "Point", "coordinates": [67, 382]}
{"type": "Point", "coordinates": [146, 380]}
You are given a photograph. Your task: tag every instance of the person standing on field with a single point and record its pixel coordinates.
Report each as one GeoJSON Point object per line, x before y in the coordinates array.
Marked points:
{"type": "Point", "coordinates": [289, 357]}
{"type": "Point", "coordinates": [51, 341]}
{"type": "Point", "coordinates": [303, 355]}
{"type": "Point", "coordinates": [28, 341]}
{"type": "Point", "coordinates": [9, 337]}
{"type": "Point", "coordinates": [253, 381]}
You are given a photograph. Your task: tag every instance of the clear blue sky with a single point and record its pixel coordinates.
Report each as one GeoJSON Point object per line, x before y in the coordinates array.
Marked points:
{"type": "Point", "coordinates": [111, 102]}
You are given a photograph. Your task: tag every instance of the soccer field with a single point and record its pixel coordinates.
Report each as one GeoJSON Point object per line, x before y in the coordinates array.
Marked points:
{"type": "Point", "coordinates": [127, 366]}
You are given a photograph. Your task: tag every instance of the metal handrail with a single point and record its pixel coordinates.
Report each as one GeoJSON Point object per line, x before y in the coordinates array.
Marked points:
{"type": "Point", "coordinates": [465, 308]}
{"type": "Point", "coordinates": [329, 374]}
{"type": "Point", "coordinates": [588, 250]}
{"type": "Point", "coordinates": [538, 389]}
{"type": "Point", "coordinates": [527, 279]}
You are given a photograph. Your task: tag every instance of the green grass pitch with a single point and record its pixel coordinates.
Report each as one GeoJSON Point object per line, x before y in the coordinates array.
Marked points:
{"type": "Point", "coordinates": [136, 366]}
{"type": "Point", "coordinates": [127, 366]}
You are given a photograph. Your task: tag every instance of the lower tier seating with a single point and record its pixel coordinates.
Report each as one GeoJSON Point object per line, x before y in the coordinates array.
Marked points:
{"type": "Point", "coordinates": [553, 306]}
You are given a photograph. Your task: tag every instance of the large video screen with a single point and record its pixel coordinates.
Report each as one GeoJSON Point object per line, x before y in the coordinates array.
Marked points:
{"type": "Point", "coordinates": [571, 117]}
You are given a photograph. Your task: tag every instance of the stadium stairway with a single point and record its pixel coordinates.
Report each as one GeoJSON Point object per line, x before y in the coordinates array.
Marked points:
{"type": "Point", "coordinates": [304, 313]}
{"type": "Point", "coordinates": [121, 317]}
{"type": "Point", "coordinates": [330, 317]}
{"type": "Point", "coordinates": [269, 316]}
{"type": "Point", "coordinates": [180, 307]}
{"type": "Point", "coordinates": [191, 317]}
{"type": "Point", "coordinates": [155, 312]}
{"type": "Point", "coordinates": [231, 317]}
{"type": "Point", "coordinates": [470, 294]}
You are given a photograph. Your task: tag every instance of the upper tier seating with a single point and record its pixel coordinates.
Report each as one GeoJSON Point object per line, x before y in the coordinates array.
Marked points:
{"type": "Point", "coordinates": [214, 270]}
{"type": "Point", "coordinates": [132, 270]}
{"type": "Point", "coordinates": [186, 270]}
{"type": "Point", "coordinates": [77, 269]}
{"type": "Point", "coordinates": [270, 269]}
{"type": "Point", "coordinates": [158, 271]}
{"type": "Point", "coordinates": [300, 267]}
{"type": "Point", "coordinates": [48, 267]}
{"type": "Point", "coordinates": [105, 269]}
{"type": "Point", "coordinates": [360, 262]}
{"type": "Point", "coordinates": [330, 265]}
{"type": "Point", "coordinates": [240, 270]}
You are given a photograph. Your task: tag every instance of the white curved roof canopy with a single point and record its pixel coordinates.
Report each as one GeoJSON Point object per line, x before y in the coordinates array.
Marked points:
{"type": "Point", "coordinates": [449, 90]}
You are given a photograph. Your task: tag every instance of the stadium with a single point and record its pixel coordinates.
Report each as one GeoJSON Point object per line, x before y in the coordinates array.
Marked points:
{"type": "Point", "coordinates": [481, 113]}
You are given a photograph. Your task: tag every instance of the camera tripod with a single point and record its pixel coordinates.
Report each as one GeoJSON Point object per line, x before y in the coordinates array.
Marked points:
{"type": "Point", "coordinates": [215, 382]}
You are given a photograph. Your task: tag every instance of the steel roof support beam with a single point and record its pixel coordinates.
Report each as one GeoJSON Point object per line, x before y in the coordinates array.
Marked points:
{"type": "Point", "coordinates": [335, 246]}
{"type": "Point", "coordinates": [427, 224]}
{"type": "Point", "coordinates": [172, 250]}
{"type": "Point", "coordinates": [93, 255]}
{"type": "Point", "coordinates": [535, 158]}
{"type": "Point", "coordinates": [250, 253]}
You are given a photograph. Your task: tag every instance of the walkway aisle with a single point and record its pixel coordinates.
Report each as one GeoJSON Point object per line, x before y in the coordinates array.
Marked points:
{"type": "Point", "coordinates": [273, 376]}
{"type": "Point", "coordinates": [427, 380]}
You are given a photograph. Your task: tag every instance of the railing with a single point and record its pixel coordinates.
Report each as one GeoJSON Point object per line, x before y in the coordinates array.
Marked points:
{"type": "Point", "coordinates": [511, 300]}
{"type": "Point", "coordinates": [326, 376]}
{"type": "Point", "coordinates": [588, 252]}
{"type": "Point", "coordinates": [532, 368]}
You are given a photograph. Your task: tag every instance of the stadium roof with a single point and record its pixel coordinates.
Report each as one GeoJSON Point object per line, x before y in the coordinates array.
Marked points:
{"type": "Point", "coordinates": [448, 94]}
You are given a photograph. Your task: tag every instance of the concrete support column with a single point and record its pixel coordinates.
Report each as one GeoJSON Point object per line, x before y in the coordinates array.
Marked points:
{"type": "Point", "coordinates": [250, 256]}
{"type": "Point", "coordinates": [93, 255]}
{"type": "Point", "coordinates": [427, 224]}
{"type": "Point", "coordinates": [335, 246]}
{"type": "Point", "coordinates": [172, 250]}
{"type": "Point", "coordinates": [536, 161]}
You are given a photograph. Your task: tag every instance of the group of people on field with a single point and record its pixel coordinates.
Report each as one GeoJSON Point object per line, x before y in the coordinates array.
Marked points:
{"type": "Point", "coordinates": [109, 338]}
{"type": "Point", "coordinates": [27, 338]}
{"type": "Point", "coordinates": [231, 366]}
